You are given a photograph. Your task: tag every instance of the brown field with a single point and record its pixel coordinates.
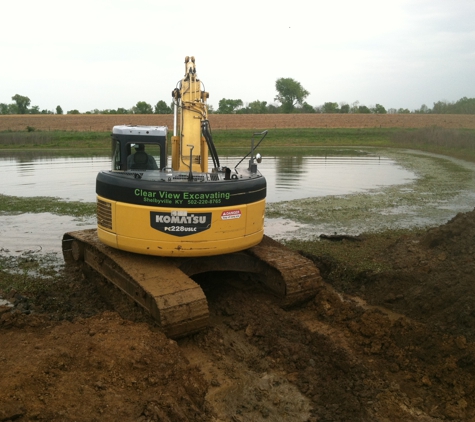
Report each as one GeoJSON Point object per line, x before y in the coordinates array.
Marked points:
{"type": "Point", "coordinates": [101, 122]}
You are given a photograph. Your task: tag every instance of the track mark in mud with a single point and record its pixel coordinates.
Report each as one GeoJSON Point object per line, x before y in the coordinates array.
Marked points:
{"type": "Point", "coordinates": [404, 351]}
{"type": "Point", "coordinates": [243, 383]}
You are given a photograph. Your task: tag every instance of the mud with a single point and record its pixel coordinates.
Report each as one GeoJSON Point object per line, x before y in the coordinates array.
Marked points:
{"type": "Point", "coordinates": [394, 344]}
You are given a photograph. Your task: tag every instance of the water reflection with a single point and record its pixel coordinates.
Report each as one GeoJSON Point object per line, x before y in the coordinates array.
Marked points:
{"type": "Point", "coordinates": [288, 177]}
{"type": "Point", "coordinates": [296, 177]}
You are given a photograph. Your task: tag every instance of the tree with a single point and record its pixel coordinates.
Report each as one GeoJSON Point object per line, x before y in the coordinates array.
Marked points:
{"type": "Point", "coordinates": [354, 107]}
{"type": "Point", "coordinates": [254, 107]}
{"type": "Point", "coordinates": [22, 103]}
{"type": "Point", "coordinates": [272, 109]}
{"type": "Point", "coordinates": [73, 112]}
{"type": "Point", "coordinates": [143, 108]}
{"type": "Point", "coordinates": [363, 109]}
{"type": "Point", "coordinates": [379, 109]}
{"type": "Point", "coordinates": [290, 93]}
{"type": "Point", "coordinates": [307, 108]}
{"type": "Point", "coordinates": [330, 108]}
{"type": "Point", "coordinates": [423, 110]}
{"type": "Point", "coordinates": [162, 108]}
{"type": "Point", "coordinates": [226, 106]}
{"type": "Point", "coordinates": [4, 108]}
{"type": "Point", "coordinates": [403, 111]}
{"type": "Point", "coordinates": [59, 110]}
{"type": "Point", "coordinates": [257, 107]}
{"type": "Point", "coordinates": [464, 106]}
{"type": "Point", "coordinates": [34, 110]}
{"type": "Point", "coordinates": [344, 108]}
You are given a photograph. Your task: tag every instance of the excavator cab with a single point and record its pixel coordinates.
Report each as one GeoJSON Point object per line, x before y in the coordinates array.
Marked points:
{"type": "Point", "coordinates": [139, 147]}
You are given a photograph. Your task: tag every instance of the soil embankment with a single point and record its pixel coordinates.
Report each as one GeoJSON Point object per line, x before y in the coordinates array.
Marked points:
{"type": "Point", "coordinates": [395, 345]}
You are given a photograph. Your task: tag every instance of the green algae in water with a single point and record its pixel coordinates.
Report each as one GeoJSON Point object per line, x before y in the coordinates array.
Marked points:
{"type": "Point", "coordinates": [38, 204]}
{"type": "Point", "coordinates": [443, 187]}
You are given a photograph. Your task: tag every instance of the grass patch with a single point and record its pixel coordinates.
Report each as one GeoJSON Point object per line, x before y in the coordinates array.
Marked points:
{"type": "Point", "coordinates": [40, 204]}
{"type": "Point", "coordinates": [309, 136]}
{"type": "Point", "coordinates": [54, 139]}
{"type": "Point", "coordinates": [459, 143]}
{"type": "Point", "coordinates": [346, 260]}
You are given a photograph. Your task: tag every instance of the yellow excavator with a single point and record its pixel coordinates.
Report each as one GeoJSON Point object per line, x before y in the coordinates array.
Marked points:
{"type": "Point", "coordinates": [161, 220]}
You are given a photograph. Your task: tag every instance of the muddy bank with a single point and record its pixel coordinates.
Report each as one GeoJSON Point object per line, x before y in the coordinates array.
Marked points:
{"type": "Point", "coordinates": [392, 344]}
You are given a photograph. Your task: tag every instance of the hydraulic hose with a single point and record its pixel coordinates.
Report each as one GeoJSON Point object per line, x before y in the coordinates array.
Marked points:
{"type": "Point", "coordinates": [205, 128]}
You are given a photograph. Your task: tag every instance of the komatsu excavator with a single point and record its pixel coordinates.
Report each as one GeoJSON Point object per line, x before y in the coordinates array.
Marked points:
{"type": "Point", "coordinates": [162, 221]}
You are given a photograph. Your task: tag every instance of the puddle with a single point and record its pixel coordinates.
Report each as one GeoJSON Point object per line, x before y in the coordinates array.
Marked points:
{"type": "Point", "coordinates": [281, 228]}
{"type": "Point", "coordinates": [37, 233]}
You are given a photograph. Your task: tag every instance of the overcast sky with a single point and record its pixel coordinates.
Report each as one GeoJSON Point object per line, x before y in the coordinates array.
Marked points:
{"type": "Point", "coordinates": [107, 54]}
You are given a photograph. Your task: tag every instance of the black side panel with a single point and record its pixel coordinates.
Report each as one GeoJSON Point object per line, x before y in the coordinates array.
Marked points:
{"type": "Point", "coordinates": [180, 194]}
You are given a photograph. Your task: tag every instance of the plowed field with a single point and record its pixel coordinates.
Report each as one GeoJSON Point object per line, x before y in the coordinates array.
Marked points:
{"type": "Point", "coordinates": [100, 122]}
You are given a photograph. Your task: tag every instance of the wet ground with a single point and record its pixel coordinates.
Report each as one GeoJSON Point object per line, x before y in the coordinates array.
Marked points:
{"type": "Point", "coordinates": [442, 187]}
{"type": "Point", "coordinates": [392, 342]}
{"type": "Point", "coordinates": [395, 344]}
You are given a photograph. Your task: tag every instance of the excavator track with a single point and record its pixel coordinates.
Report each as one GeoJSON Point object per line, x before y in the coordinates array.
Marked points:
{"type": "Point", "coordinates": [163, 287]}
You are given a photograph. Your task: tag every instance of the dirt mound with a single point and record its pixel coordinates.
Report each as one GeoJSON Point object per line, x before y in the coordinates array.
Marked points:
{"type": "Point", "coordinates": [431, 277]}
{"type": "Point", "coordinates": [389, 345]}
{"type": "Point", "coordinates": [100, 368]}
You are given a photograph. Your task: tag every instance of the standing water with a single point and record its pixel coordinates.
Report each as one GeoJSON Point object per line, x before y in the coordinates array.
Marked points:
{"type": "Point", "coordinates": [288, 178]}
{"type": "Point", "coordinates": [307, 195]}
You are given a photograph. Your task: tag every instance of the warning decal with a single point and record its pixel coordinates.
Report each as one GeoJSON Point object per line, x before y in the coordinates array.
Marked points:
{"type": "Point", "coordinates": [230, 215]}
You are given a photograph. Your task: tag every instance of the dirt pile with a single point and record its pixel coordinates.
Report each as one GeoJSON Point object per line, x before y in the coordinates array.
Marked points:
{"type": "Point", "coordinates": [100, 368]}
{"type": "Point", "coordinates": [432, 277]}
{"type": "Point", "coordinates": [393, 345]}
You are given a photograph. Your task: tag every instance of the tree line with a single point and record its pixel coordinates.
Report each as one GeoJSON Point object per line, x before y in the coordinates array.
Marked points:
{"type": "Point", "coordinates": [290, 98]}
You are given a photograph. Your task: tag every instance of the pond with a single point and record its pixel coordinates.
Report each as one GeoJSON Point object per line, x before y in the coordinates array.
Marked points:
{"type": "Point", "coordinates": [309, 193]}
{"type": "Point", "coordinates": [288, 177]}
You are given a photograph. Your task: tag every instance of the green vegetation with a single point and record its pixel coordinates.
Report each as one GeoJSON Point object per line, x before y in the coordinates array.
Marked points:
{"type": "Point", "coordinates": [307, 137]}
{"type": "Point", "coordinates": [227, 106]}
{"type": "Point", "coordinates": [290, 93]}
{"type": "Point", "coordinates": [441, 187]}
{"type": "Point", "coordinates": [16, 205]}
{"type": "Point", "coordinates": [54, 139]}
{"type": "Point", "coordinates": [290, 99]}
{"type": "Point", "coordinates": [29, 273]}
{"type": "Point", "coordinates": [458, 143]}
{"type": "Point", "coordinates": [376, 213]}
{"type": "Point", "coordinates": [353, 258]}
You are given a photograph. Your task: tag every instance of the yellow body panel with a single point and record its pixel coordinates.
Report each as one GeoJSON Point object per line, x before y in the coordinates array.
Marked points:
{"type": "Point", "coordinates": [127, 223]}
{"type": "Point", "coordinates": [231, 229]}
